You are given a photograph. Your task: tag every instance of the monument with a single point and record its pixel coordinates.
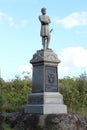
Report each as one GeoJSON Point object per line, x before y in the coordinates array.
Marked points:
{"type": "Point", "coordinates": [45, 97]}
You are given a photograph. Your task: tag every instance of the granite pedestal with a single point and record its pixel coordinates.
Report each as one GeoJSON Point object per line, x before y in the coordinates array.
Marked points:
{"type": "Point", "coordinates": [45, 98]}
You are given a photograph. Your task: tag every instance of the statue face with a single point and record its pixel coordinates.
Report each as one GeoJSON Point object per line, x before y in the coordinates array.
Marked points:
{"type": "Point", "coordinates": [43, 11]}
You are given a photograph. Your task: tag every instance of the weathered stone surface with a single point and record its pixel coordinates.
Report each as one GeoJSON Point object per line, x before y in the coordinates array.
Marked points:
{"type": "Point", "coordinates": [11, 118]}
{"type": "Point", "coordinates": [45, 75]}
{"type": "Point", "coordinates": [65, 122]}
{"type": "Point", "coordinates": [45, 103]}
{"type": "Point", "coordinates": [47, 122]}
{"type": "Point", "coordinates": [45, 98]}
{"type": "Point", "coordinates": [45, 55]}
{"type": "Point", "coordinates": [40, 98]}
{"type": "Point", "coordinates": [2, 118]}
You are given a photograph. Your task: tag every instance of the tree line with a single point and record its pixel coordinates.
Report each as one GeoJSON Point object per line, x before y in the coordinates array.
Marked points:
{"type": "Point", "coordinates": [74, 91]}
{"type": "Point", "coordinates": [14, 93]}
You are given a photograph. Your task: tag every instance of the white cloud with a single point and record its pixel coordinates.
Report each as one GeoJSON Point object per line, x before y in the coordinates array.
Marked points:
{"type": "Point", "coordinates": [2, 16]}
{"type": "Point", "coordinates": [24, 22]}
{"type": "Point", "coordinates": [72, 58]}
{"type": "Point", "coordinates": [12, 22]}
{"type": "Point", "coordinates": [74, 19]}
{"type": "Point", "coordinates": [5, 17]}
{"type": "Point", "coordinates": [73, 62]}
{"type": "Point", "coordinates": [9, 19]}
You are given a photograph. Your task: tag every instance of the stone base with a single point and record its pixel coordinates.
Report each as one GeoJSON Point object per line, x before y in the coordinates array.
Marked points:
{"type": "Point", "coordinates": [21, 121]}
{"type": "Point", "coordinates": [45, 103]}
{"type": "Point", "coordinates": [46, 108]}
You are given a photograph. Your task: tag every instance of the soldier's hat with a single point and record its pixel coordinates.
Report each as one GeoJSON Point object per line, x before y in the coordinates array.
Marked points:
{"type": "Point", "coordinates": [43, 9]}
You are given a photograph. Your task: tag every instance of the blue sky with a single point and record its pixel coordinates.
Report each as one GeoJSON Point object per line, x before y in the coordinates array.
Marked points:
{"type": "Point", "coordinates": [20, 35]}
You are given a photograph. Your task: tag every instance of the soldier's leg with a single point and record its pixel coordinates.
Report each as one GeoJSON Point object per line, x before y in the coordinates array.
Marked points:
{"type": "Point", "coordinates": [48, 40]}
{"type": "Point", "coordinates": [43, 42]}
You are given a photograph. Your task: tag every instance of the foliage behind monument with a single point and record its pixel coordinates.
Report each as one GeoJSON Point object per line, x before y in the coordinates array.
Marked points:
{"type": "Point", "coordinates": [14, 93]}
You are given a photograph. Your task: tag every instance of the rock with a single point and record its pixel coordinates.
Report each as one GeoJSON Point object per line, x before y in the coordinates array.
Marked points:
{"type": "Point", "coordinates": [1, 121]}
{"type": "Point", "coordinates": [11, 118]}
{"type": "Point", "coordinates": [21, 121]}
{"type": "Point", "coordinates": [65, 122]}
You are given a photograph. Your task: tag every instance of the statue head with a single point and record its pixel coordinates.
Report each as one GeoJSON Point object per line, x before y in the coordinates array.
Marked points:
{"type": "Point", "coordinates": [43, 10]}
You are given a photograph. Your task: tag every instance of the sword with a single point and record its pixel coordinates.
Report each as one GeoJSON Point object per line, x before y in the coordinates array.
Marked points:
{"type": "Point", "coordinates": [51, 30]}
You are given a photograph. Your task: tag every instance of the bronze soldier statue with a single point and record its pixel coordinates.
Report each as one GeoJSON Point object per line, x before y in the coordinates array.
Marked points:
{"type": "Point", "coordinates": [45, 32]}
